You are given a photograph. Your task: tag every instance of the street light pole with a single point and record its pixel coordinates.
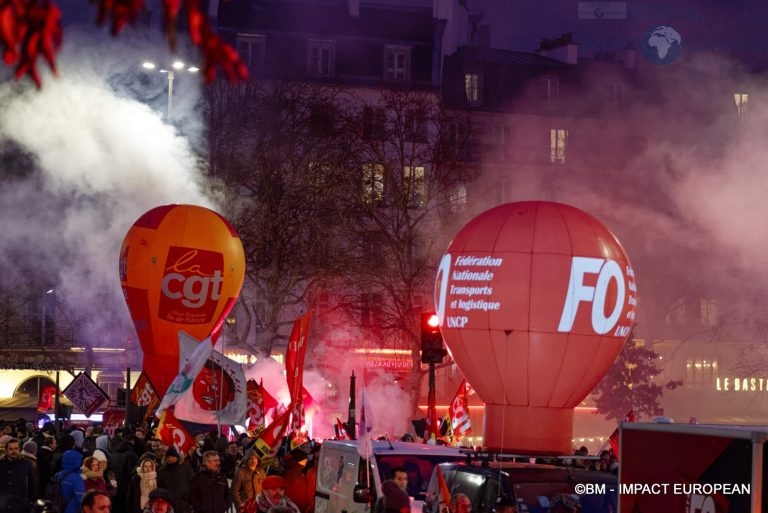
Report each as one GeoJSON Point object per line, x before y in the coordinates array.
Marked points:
{"type": "Point", "coordinates": [170, 94]}
{"type": "Point", "coordinates": [178, 66]}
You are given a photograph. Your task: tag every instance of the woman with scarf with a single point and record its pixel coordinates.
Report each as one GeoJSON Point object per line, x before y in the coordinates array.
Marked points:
{"type": "Point", "coordinates": [92, 475]}
{"type": "Point", "coordinates": [143, 482]}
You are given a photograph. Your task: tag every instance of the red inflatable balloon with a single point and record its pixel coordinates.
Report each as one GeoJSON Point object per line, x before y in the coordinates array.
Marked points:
{"type": "Point", "coordinates": [181, 268]}
{"type": "Point", "coordinates": [535, 301]}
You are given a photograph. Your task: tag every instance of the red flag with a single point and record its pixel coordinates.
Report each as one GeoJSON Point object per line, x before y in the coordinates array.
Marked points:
{"type": "Point", "coordinates": [294, 355]}
{"type": "Point", "coordinates": [443, 493]}
{"type": "Point", "coordinates": [341, 431]}
{"type": "Point", "coordinates": [47, 399]}
{"type": "Point", "coordinates": [269, 440]}
{"type": "Point", "coordinates": [259, 403]}
{"type": "Point", "coordinates": [172, 433]}
{"type": "Point", "coordinates": [461, 424]}
{"type": "Point", "coordinates": [297, 417]}
{"type": "Point", "coordinates": [143, 393]}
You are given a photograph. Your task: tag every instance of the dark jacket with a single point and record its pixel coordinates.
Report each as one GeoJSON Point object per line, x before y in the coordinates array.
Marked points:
{"type": "Point", "coordinates": [209, 492]}
{"type": "Point", "coordinates": [176, 479]}
{"type": "Point", "coordinates": [122, 462]}
{"type": "Point", "coordinates": [18, 484]}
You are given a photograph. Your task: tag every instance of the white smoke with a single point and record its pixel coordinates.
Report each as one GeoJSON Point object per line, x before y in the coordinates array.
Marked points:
{"type": "Point", "coordinates": [97, 159]}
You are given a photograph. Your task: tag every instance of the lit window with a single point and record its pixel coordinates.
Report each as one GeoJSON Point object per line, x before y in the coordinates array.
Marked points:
{"type": "Point", "coordinates": [397, 63]}
{"type": "Point", "coordinates": [321, 57]}
{"type": "Point", "coordinates": [373, 183]}
{"type": "Point", "coordinates": [709, 315]}
{"type": "Point", "coordinates": [558, 142]}
{"type": "Point", "coordinates": [413, 185]}
{"type": "Point", "coordinates": [741, 100]}
{"type": "Point", "coordinates": [252, 49]}
{"type": "Point", "coordinates": [458, 199]}
{"type": "Point", "coordinates": [472, 87]}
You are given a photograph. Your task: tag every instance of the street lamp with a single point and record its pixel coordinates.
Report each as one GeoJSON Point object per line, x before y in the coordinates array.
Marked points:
{"type": "Point", "coordinates": [177, 66]}
{"type": "Point", "coordinates": [42, 324]}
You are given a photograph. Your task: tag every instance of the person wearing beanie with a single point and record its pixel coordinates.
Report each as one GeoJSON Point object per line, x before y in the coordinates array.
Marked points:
{"type": "Point", "coordinates": [248, 480]}
{"type": "Point", "coordinates": [77, 439]}
{"type": "Point", "coordinates": [160, 501]}
{"type": "Point", "coordinates": [107, 474]}
{"type": "Point", "coordinates": [395, 499]}
{"type": "Point", "coordinates": [175, 476]}
{"type": "Point", "coordinates": [92, 475]}
{"type": "Point", "coordinates": [29, 451]}
{"type": "Point", "coordinates": [273, 494]}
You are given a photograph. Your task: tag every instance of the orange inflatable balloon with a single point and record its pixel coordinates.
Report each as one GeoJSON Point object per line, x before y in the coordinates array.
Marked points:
{"type": "Point", "coordinates": [181, 268]}
{"type": "Point", "coordinates": [535, 301]}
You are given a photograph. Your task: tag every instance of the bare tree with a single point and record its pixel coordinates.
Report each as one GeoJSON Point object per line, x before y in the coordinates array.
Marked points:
{"type": "Point", "coordinates": [405, 175]}
{"type": "Point", "coordinates": [279, 148]}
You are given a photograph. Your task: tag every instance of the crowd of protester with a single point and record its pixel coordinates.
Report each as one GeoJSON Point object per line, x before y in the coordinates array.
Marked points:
{"type": "Point", "coordinates": [130, 471]}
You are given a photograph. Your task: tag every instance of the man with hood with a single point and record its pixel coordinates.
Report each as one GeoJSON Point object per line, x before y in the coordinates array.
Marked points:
{"type": "Point", "coordinates": [72, 484]}
{"type": "Point", "coordinates": [175, 476]}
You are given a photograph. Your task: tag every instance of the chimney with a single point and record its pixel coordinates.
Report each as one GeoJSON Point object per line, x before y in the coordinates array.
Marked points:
{"type": "Point", "coordinates": [560, 48]}
{"type": "Point", "coordinates": [353, 8]}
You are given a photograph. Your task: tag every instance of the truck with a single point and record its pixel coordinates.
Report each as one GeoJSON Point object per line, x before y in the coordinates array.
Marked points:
{"type": "Point", "coordinates": [345, 484]}
{"type": "Point", "coordinates": [691, 468]}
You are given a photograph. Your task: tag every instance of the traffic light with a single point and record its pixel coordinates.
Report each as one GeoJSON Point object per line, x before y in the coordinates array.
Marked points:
{"type": "Point", "coordinates": [431, 340]}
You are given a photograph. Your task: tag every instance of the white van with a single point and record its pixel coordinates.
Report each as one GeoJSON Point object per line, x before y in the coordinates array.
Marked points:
{"type": "Point", "coordinates": [345, 485]}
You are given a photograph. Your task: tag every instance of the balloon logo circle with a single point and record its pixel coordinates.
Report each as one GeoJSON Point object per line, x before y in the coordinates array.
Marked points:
{"type": "Point", "coordinates": [535, 301]}
{"type": "Point", "coordinates": [181, 268]}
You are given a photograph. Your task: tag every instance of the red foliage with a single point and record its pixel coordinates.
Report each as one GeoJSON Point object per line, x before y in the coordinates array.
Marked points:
{"type": "Point", "coordinates": [31, 28]}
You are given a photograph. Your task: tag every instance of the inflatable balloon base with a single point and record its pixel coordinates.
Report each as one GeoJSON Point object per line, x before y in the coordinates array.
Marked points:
{"type": "Point", "coordinates": [528, 429]}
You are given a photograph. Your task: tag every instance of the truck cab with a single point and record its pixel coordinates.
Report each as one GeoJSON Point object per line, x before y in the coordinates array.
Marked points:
{"type": "Point", "coordinates": [345, 484]}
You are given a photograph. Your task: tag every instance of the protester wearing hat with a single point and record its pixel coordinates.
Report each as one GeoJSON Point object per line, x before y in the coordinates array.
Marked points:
{"type": "Point", "coordinates": [160, 501]}
{"type": "Point", "coordinates": [396, 500]}
{"type": "Point", "coordinates": [29, 452]}
{"type": "Point", "coordinates": [248, 479]}
{"type": "Point", "coordinates": [107, 474]}
{"type": "Point", "coordinates": [144, 480]}
{"type": "Point", "coordinates": [273, 494]}
{"type": "Point", "coordinates": [92, 475]}
{"type": "Point", "coordinates": [175, 476]}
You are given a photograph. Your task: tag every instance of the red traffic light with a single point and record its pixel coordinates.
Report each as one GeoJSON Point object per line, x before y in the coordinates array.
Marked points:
{"type": "Point", "coordinates": [432, 320]}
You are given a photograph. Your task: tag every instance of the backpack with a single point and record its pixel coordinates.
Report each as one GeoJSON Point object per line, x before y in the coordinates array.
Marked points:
{"type": "Point", "coordinates": [53, 491]}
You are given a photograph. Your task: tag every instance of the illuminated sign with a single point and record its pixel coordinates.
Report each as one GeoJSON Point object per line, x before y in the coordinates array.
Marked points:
{"type": "Point", "coordinates": [735, 384]}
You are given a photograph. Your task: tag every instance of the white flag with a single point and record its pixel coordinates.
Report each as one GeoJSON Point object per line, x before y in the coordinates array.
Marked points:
{"type": "Point", "coordinates": [189, 370]}
{"type": "Point", "coordinates": [218, 393]}
{"type": "Point", "coordinates": [366, 423]}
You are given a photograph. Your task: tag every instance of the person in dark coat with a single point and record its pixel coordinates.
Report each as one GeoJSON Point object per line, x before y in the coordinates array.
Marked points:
{"type": "Point", "coordinates": [122, 462]}
{"type": "Point", "coordinates": [45, 452]}
{"type": "Point", "coordinates": [18, 480]}
{"type": "Point", "coordinates": [209, 491]}
{"type": "Point", "coordinates": [175, 476]}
